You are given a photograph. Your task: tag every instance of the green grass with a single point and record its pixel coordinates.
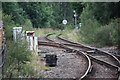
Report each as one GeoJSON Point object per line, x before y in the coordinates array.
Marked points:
{"type": "Point", "coordinates": [38, 65]}
{"type": "Point", "coordinates": [70, 34]}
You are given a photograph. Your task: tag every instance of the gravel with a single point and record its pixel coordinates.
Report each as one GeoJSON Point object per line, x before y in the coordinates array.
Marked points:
{"type": "Point", "coordinates": [69, 65]}
{"type": "Point", "coordinates": [101, 71]}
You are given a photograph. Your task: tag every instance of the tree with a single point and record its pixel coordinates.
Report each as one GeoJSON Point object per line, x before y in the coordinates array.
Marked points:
{"type": "Point", "coordinates": [97, 26]}
{"type": "Point", "coordinates": [15, 11]}
{"type": "Point", "coordinates": [40, 14]}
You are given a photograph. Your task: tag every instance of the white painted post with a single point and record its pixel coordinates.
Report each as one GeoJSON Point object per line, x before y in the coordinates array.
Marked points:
{"type": "Point", "coordinates": [30, 39]}
{"type": "Point", "coordinates": [36, 44]}
{"type": "Point", "coordinates": [17, 31]}
{"type": "Point", "coordinates": [31, 43]}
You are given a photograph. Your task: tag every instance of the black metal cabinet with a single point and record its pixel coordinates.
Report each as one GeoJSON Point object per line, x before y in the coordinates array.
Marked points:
{"type": "Point", "coordinates": [51, 59]}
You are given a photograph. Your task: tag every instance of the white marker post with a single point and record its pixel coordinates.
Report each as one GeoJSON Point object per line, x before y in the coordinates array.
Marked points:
{"type": "Point", "coordinates": [17, 33]}
{"type": "Point", "coordinates": [36, 44]}
{"type": "Point", "coordinates": [30, 39]}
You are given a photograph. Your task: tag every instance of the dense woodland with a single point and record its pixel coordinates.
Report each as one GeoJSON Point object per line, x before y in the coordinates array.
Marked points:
{"type": "Point", "coordinates": [100, 24]}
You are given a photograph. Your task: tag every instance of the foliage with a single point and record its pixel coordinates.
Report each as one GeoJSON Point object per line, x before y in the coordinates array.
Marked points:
{"type": "Point", "coordinates": [103, 36]}
{"type": "Point", "coordinates": [17, 13]}
{"type": "Point", "coordinates": [97, 27]}
{"type": "Point", "coordinates": [115, 31]}
{"type": "Point", "coordinates": [103, 12]}
{"type": "Point", "coordinates": [39, 15]}
{"type": "Point", "coordinates": [17, 55]}
{"type": "Point", "coordinates": [8, 23]}
{"type": "Point", "coordinates": [89, 25]}
{"type": "Point", "coordinates": [108, 34]}
{"type": "Point", "coordinates": [93, 17]}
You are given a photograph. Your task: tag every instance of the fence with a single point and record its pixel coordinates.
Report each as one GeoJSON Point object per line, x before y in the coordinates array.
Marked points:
{"type": "Point", "coordinates": [2, 50]}
{"type": "Point", "coordinates": [2, 57]}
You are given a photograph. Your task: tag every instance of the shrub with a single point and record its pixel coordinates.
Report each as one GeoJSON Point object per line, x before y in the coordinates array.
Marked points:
{"type": "Point", "coordinates": [17, 54]}
{"type": "Point", "coordinates": [115, 32]}
{"type": "Point", "coordinates": [103, 36]}
{"type": "Point", "coordinates": [88, 30]}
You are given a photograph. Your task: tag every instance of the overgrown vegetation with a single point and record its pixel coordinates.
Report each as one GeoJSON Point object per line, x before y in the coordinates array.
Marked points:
{"type": "Point", "coordinates": [39, 15]}
{"type": "Point", "coordinates": [17, 56]}
{"type": "Point", "coordinates": [19, 60]}
{"type": "Point", "coordinates": [100, 25]}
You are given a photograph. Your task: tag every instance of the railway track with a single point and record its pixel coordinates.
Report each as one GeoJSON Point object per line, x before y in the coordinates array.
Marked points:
{"type": "Point", "coordinates": [109, 59]}
{"type": "Point", "coordinates": [94, 50]}
{"type": "Point", "coordinates": [88, 65]}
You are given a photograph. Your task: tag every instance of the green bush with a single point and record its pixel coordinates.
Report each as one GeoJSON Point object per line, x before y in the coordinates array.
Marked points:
{"type": "Point", "coordinates": [115, 32]}
{"type": "Point", "coordinates": [8, 23]}
{"type": "Point", "coordinates": [17, 55]}
{"type": "Point", "coordinates": [93, 32]}
{"type": "Point", "coordinates": [89, 26]}
{"type": "Point", "coordinates": [88, 30]}
{"type": "Point", "coordinates": [103, 36]}
{"type": "Point", "coordinates": [108, 35]}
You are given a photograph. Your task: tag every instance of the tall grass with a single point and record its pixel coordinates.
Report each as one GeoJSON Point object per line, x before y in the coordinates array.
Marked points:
{"type": "Point", "coordinates": [70, 34]}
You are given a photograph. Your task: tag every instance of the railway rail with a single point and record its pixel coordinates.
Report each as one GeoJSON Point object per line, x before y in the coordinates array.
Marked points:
{"type": "Point", "coordinates": [94, 50]}
{"type": "Point", "coordinates": [88, 49]}
{"type": "Point", "coordinates": [54, 44]}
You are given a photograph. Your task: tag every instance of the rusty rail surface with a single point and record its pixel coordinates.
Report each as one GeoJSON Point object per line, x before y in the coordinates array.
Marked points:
{"type": "Point", "coordinates": [59, 45]}
{"type": "Point", "coordinates": [76, 44]}
{"type": "Point", "coordinates": [92, 48]}
{"type": "Point", "coordinates": [86, 48]}
{"type": "Point", "coordinates": [113, 57]}
{"type": "Point", "coordinates": [89, 48]}
{"type": "Point", "coordinates": [46, 37]}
